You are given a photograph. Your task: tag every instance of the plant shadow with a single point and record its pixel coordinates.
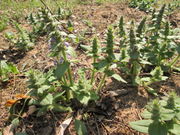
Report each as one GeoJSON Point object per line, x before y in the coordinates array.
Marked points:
{"type": "Point", "coordinates": [12, 55]}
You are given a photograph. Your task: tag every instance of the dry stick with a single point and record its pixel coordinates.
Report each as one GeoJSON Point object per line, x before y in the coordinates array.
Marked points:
{"type": "Point", "coordinates": [98, 132]}
{"type": "Point", "coordinates": [107, 131]}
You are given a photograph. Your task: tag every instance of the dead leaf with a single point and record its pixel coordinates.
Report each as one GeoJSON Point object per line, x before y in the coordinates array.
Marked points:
{"type": "Point", "coordinates": [8, 130]}
{"type": "Point", "coordinates": [63, 126]}
{"type": "Point", "coordinates": [10, 102]}
{"type": "Point", "coordinates": [31, 109]}
{"type": "Point", "coordinates": [119, 92]}
{"type": "Point", "coordinates": [20, 96]}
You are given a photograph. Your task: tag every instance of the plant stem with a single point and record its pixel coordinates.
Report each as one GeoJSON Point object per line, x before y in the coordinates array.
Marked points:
{"type": "Point", "coordinates": [102, 82]}
{"type": "Point", "coordinates": [174, 61]}
{"type": "Point", "coordinates": [93, 72]}
{"type": "Point", "coordinates": [69, 69]}
{"type": "Point", "coordinates": [64, 78]}
{"type": "Point", "coordinates": [103, 79]}
{"type": "Point", "coordinates": [70, 76]}
{"type": "Point", "coordinates": [69, 93]}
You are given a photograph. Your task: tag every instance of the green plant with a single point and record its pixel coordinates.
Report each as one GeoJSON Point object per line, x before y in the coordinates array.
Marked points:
{"type": "Point", "coordinates": [162, 117]}
{"type": "Point", "coordinates": [161, 46]}
{"type": "Point", "coordinates": [5, 69]}
{"type": "Point", "coordinates": [41, 22]}
{"type": "Point", "coordinates": [156, 76]}
{"type": "Point", "coordinates": [147, 48]}
{"type": "Point", "coordinates": [144, 5]}
{"type": "Point", "coordinates": [3, 23]}
{"type": "Point", "coordinates": [63, 14]}
{"type": "Point", "coordinates": [45, 92]}
{"type": "Point", "coordinates": [45, 20]}
{"type": "Point", "coordinates": [22, 40]}
{"type": "Point", "coordinates": [107, 62]}
{"type": "Point", "coordinates": [173, 6]}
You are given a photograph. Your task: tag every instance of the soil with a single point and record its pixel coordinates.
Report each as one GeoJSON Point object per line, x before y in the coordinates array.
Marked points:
{"type": "Point", "coordinates": [115, 111]}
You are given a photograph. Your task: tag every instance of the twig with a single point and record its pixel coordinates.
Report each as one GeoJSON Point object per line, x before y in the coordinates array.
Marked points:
{"type": "Point", "coordinates": [107, 131]}
{"type": "Point", "coordinates": [98, 132]}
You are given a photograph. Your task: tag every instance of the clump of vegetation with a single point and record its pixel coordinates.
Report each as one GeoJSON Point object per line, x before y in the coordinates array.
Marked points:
{"type": "Point", "coordinates": [147, 48]}
{"type": "Point", "coordinates": [161, 117]}
{"type": "Point", "coordinates": [173, 6]}
{"type": "Point", "coordinates": [56, 89]}
{"type": "Point", "coordinates": [144, 5]}
{"type": "Point", "coordinates": [6, 69]}
{"type": "Point", "coordinates": [3, 23]}
{"type": "Point", "coordinates": [44, 21]}
{"type": "Point", "coordinates": [22, 41]}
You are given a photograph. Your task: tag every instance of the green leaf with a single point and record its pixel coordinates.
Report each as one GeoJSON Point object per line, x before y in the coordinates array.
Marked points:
{"type": "Point", "coordinates": [7, 68]}
{"type": "Point", "coordinates": [178, 48]}
{"type": "Point", "coordinates": [157, 128]}
{"type": "Point", "coordinates": [60, 108]}
{"type": "Point", "coordinates": [118, 78]}
{"type": "Point", "coordinates": [61, 69]}
{"type": "Point", "coordinates": [145, 79]}
{"type": "Point", "coordinates": [146, 114]}
{"type": "Point", "coordinates": [70, 50]}
{"type": "Point", "coordinates": [47, 100]}
{"type": "Point", "coordinates": [84, 96]}
{"type": "Point", "coordinates": [80, 127]}
{"type": "Point", "coordinates": [58, 95]}
{"type": "Point", "coordinates": [86, 48]}
{"type": "Point", "coordinates": [72, 36]}
{"type": "Point", "coordinates": [13, 68]}
{"type": "Point", "coordinates": [117, 56]}
{"type": "Point", "coordinates": [167, 114]}
{"type": "Point", "coordinates": [10, 35]}
{"type": "Point", "coordinates": [15, 123]}
{"type": "Point", "coordinates": [176, 68]}
{"type": "Point", "coordinates": [42, 111]}
{"type": "Point", "coordinates": [43, 88]}
{"type": "Point", "coordinates": [101, 64]}
{"type": "Point", "coordinates": [176, 129]}
{"type": "Point", "coordinates": [178, 116]}
{"type": "Point", "coordinates": [141, 125]}
{"type": "Point", "coordinates": [151, 91]}
{"type": "Point", "coordinates": [40, 80]}
{"type": "Point", "coordinates": [145, 62]}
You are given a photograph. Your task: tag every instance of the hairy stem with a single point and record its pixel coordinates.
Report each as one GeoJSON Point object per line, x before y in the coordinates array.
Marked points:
{"type": "Point", "coordinates": [64, 79]}
{"type": "Point", "coordinates": [93, 71]}
{"type": "Point", "coordinates": [174, 61]}
{"type": "Point", "coordinates": [69, 69]}
{"type": "Point", "coordinates": [69, 93]}
{"type": "Point", "coordinates": [103, 79]}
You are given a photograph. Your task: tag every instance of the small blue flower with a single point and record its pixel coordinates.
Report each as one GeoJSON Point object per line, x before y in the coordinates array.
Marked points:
{"type": "Point", "coordinates": [66, 44]}
{"type": "Point", "coordinates": [49, 46]}
{"type": "Point", "coordinates": [68, 56]}
{"type": "Point", "coordinates": [61, 60]}
{"type": "Point", "coordinates": [55, 62]}
{"type": "Point", "coordinates": [52, 41]}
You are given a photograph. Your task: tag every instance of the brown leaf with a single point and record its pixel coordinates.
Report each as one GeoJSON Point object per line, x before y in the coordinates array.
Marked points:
{"type": "Point", "coordinates": [10, 102]}
{"type": "Point", "coordinates": [20, 96]}
{"type": "Point", "coordinates": [8, 130]}
{"type": "Point", "coordinates": [31, 109]}
{"type": "Point", "coordinates": [63, 126]}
